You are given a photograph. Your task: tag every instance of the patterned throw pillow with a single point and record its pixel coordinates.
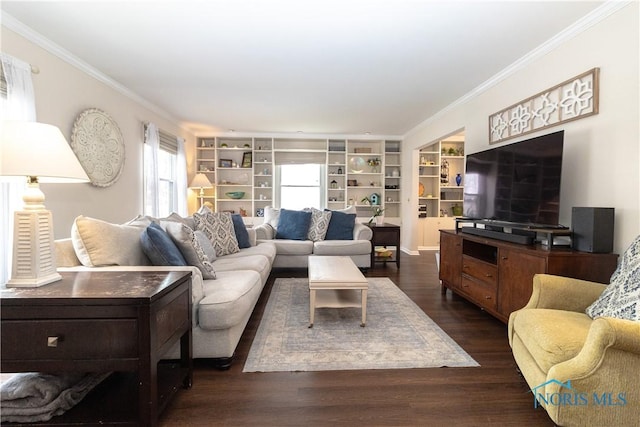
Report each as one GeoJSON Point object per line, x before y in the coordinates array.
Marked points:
{"type": "Point", "coordinates": [621, 298]}
{"type": "Point", "coordinates": [218, 227]}
{"type": "Point", "coordinates": [319, 224]}
{"type": "Point", "coordinates": [187, 241]}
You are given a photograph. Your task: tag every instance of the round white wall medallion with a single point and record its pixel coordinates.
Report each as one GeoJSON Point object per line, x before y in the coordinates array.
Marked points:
{"type": "Point", "coordinates": [97, 141]}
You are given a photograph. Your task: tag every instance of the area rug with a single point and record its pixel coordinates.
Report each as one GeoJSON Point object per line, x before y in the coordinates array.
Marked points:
{"type": "Point", "coordinates": [398, 334]}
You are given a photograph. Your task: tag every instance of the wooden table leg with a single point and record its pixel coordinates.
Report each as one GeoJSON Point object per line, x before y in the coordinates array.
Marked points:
{"type": "Point", "coordinates": [312, 306]}
{"type": "Point", "coordinates": [364, 307]}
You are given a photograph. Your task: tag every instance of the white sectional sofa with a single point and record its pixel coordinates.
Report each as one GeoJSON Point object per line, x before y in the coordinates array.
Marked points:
{"type": "Point", "coordinates": [221, 306]}
{"type": "Point", "coordinates": [349, 238]}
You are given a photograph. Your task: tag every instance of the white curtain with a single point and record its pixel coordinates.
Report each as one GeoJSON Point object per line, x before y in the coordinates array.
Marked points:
{"type": "Point", "coordinates": [19, 104]}
{"type": "Point", "coordinates": [151, 147]}
{"type": "Point", "coordinates": [181, 178]}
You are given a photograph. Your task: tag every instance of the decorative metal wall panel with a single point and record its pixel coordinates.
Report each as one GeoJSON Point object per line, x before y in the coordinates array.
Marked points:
{"type": "Point", "coordinates": [570, 100]}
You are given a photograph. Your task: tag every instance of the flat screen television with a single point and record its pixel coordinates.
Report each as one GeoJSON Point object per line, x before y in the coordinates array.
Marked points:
{"type": "Point", "coordinates": [518, 183]}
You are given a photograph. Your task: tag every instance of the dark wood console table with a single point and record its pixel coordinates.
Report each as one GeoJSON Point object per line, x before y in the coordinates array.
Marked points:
{"type": "Point", "coordinates": [102, 322]}
{"type": "Point", "coordinates": [498, 275]}
{"type": "Point", "coordinates": [385, 235]}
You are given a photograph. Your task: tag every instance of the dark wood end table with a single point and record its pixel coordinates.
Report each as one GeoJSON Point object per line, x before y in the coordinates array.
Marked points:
{"type": "Point", "coordinates": [104, 321]}
{"type": "Point", "coordinates": [385, 235]}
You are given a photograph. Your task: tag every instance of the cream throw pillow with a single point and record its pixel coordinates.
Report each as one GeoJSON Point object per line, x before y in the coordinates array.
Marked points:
{"type": "Point", "coordinates": [99, 243]}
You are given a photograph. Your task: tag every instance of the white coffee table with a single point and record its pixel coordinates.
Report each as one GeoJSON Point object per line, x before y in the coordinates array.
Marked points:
{"type": "Point", "coordinates": [336, 282]}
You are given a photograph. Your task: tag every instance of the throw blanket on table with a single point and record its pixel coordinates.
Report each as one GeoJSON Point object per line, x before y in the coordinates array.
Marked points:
{"type": "Point", "coordinates": [34, 396]}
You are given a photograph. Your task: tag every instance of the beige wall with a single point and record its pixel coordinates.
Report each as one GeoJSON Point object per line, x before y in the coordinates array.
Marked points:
{"type": "Point", "coordinates": [601, 154]}
{"type": "Point", "coordinates": [62, 91]}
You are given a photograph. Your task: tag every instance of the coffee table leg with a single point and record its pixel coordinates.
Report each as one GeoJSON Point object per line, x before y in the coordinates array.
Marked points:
{"type": "Point", "coordinates": [312, 306]}
{"type": "Point", "coordinates": [364, 307]}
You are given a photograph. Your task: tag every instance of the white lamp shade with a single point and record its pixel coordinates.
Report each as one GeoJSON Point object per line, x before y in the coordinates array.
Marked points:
{"type": "Point", "coordinates": [200, 181]}
{"type": "Point", "coordinates": [40, 150]}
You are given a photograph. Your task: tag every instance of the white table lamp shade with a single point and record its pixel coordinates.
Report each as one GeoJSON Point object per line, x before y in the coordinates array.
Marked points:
{"type": "Point", "coordinates": [200, 181]}
{"type": "Point", "coordinates": [41, 153]}
{"type": "Point", "coordinates": [38, 149]}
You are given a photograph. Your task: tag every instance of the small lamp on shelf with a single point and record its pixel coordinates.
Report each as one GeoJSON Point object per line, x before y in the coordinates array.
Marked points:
{"type": "Point", "coordinates": [201, 181]}
{"type": "Point", "coordinates": [41, 153]}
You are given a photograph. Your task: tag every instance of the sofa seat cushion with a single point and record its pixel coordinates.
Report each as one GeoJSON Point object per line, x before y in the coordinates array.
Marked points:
{"type": "Point", "coordinates": [551, 336]}
{"type": "Point", "coordinates": [257, 263]}
{"type": "Point", "coordinates": [228, 298]}
{"type": "Point", "coordinates": [267, 249]}
{"type": "Point", "coordinates": [342, 247]}
{"type": "Point", "coordinates": [294, 247]}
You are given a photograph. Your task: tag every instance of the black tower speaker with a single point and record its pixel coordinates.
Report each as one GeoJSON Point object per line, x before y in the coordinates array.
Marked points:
{"type": "Point", "coordinates": [592, 229]}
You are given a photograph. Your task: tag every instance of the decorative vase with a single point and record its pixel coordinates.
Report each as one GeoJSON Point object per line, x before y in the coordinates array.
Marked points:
{"type": "Point", "coordinates": [380, 220]}
{"type": "Point", "coordinates": [458, 180]}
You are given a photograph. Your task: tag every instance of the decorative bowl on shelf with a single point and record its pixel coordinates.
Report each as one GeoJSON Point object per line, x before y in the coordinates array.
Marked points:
{"type": "Point", "coordinates": [235, 194]}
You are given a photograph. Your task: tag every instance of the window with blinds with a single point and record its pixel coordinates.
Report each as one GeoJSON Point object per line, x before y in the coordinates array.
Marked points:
{"type": "Point", "coordinates": [168, 142]}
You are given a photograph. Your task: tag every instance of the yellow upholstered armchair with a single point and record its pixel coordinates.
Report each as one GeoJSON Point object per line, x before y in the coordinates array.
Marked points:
{"type": "Point", "coordinates": [583, 371]}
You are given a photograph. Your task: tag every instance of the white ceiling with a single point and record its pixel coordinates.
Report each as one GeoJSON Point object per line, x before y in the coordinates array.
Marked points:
{"type": "Point", "coordinates": [324, 67]}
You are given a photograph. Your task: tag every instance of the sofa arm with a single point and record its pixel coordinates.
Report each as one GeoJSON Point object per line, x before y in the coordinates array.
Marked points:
{"type": "Point", "coordinates": [265, 232]}
{"type": "Point", "coordinates": [608, 363]}
{"type": "Point", "coordinates": [563, 293]}
{"type": "Point", "coordinates": [361, 232]}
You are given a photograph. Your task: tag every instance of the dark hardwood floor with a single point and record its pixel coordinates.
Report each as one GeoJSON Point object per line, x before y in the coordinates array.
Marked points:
{"type": "Point", "coordinates": [493, 394]}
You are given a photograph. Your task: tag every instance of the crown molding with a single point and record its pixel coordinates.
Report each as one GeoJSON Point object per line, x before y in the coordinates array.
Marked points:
{"type": "Point", "coordinates": [18, 27]}
{"type": "Point", "coordinates": [596, 16]}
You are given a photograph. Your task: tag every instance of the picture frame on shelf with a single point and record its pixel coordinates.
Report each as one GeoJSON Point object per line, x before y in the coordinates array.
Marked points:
{"type": "Point", "coordinates": [226, 163]}
{"type": "Point", "coordinates": [247, 159]}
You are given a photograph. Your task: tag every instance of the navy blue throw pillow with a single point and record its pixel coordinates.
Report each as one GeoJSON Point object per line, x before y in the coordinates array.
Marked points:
{"type": "Point", "coordinates": [293, 225]}
{"type": "Point", "coordinates": [340, 226]}
{"type": "Point", "coordinates": [242, 235]}
{"type": "Point", "coordinates": [159, 247]}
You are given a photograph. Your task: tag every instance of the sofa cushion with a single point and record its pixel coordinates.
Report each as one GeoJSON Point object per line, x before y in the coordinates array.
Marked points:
{"type": "Point", "coordinates": [218, 226]}
{"type": "Point", "coordinates": [258, 263]}
{"type": "Point", "coordinates": [293, 247]}
{"type": "Point", "coordinates": [341, 226]}
{"type": "Point", "coordinates": [227, 299]}
{"type": "Point", "coordinates": [242, 236]}
{"type": "Point", "coordinates": [293, 225]}
{"type": "Point", "coordinates": [342, 247]}
{"type": "Point", "coordinates": [267, 249]}
{"type": "Point", "coordinates": [159, 247]}
{"type": "Point", "coordinates": [621, 298]}
{"type": "Point", "coordinates": [551, 336]}
{"type": "Point", "coordinates": [100, 243]}
{"type": "Point", "coordinates": [187, 241]}
{"type": "Point", "coordinates": [319, 224]}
